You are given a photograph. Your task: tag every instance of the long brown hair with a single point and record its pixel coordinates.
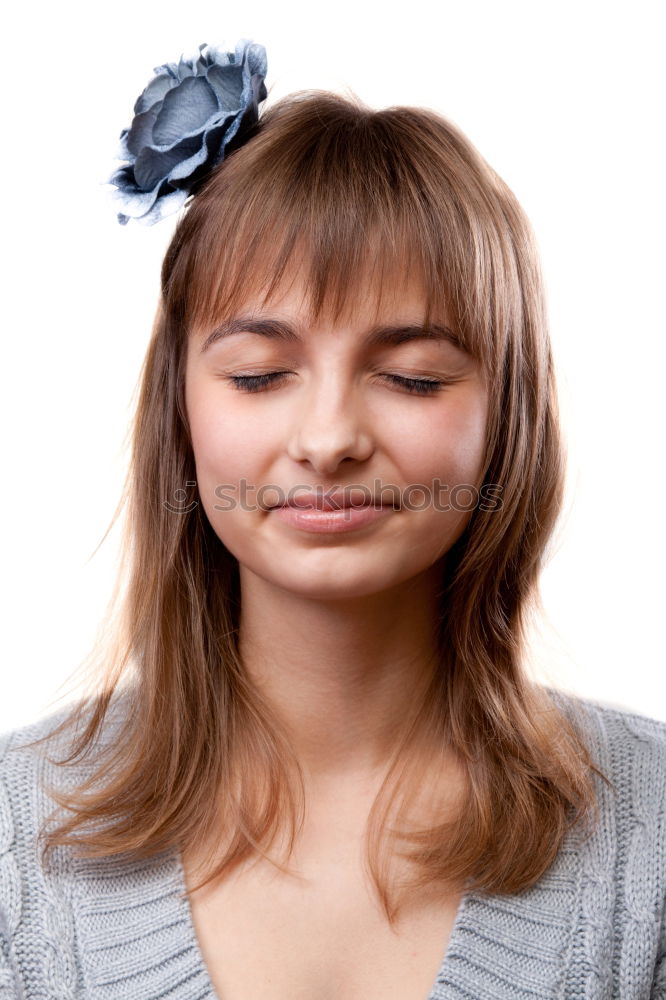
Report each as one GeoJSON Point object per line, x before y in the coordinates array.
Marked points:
{"type": "Point", "coordinates": [339, 183]}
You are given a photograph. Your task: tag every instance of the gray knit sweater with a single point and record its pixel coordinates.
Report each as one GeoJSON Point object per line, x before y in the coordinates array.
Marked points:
{"type": "Point", "coordinates": [593, 926]}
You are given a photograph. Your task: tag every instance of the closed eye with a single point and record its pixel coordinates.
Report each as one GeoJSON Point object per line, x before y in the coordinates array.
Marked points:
{"type": "Point", "coordinates": [418, 386]}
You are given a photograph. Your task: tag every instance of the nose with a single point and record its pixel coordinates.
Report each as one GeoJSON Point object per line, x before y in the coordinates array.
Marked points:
{"type": "Point", "coordinates": [330, 426]}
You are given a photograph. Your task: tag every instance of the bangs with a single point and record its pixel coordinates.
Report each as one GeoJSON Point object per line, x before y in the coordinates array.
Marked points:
{"type": "Point", "coordinates": [374, 271]}
{"type": "Point", "coordinates": [348, 201]}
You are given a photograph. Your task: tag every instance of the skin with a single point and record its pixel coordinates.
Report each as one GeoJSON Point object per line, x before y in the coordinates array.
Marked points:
{"type": "Point", "coordinates": [337, 630]}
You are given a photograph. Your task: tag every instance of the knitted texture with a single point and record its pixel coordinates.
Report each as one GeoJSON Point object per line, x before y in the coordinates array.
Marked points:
{"type": "Point", "coordinates": [592, 928]}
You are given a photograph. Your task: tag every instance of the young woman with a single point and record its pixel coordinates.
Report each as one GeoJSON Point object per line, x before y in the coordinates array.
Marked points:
{"type": "Point", "coordinates": [312, 763]}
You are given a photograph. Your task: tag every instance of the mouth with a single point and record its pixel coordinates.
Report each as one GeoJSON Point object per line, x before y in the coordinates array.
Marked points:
{"type": "Point", "coordinates": [340, 500]}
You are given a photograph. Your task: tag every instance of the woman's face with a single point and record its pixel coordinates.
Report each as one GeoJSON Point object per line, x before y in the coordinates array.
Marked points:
{"type": "Point", "coordinates": [340, 417]}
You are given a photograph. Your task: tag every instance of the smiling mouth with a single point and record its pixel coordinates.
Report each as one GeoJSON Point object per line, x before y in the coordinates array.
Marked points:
{"type": "Point", "coordinates": [336, 501]}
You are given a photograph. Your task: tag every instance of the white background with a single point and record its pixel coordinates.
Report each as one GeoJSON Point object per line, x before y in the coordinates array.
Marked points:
{"type": "Point", "coordinates": [565, 100]}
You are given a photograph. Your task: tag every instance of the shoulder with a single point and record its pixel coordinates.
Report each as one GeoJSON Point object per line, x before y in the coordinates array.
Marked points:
{"type": "Point", "coordinates": [19, 766]}
{"type": "Point", "coordinates": [622, 865]}
{"type": "Point", "coordinates": [78, 926]}
{"type": "Point", "coordinates": [25, 768]}
{"type": "Point", "coordinates": [629, 742]}
{"type": "Point", "coordinates": [23, 760]}
{"type": "Point", "coordinates": [36, 934]}
{"type": "Point", "coordinates": [629, 748]}
{"type": "Point", "coordinates": [29, 757]}
{"type": "Point", "coordinates": [25, 907]}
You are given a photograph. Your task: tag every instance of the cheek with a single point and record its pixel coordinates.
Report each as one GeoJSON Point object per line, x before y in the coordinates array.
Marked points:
{"type": "Point", "coordinates": [221, 446]}
{"type": "Point", "coordinates": [221, 441]}
{"type": "Point", "coordinates": [232, 455]}
{"type": "Point", "coordinates": [447, 444]}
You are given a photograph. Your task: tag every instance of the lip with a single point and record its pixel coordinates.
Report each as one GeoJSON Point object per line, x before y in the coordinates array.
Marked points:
{"type": "Point", "coordinates": [331, 521]}
{"type": "Point", "coordinates": [341, 499]}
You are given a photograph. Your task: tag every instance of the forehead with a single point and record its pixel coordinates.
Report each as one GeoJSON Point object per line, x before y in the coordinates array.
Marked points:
{"type": "Point", "coordinates": [379, 291]}
{"type": "Point", "coordinates": [367, 301]}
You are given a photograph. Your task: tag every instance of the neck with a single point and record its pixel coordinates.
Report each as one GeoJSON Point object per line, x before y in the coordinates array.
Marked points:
{"type": "Point", "coordinates": [340, 675]}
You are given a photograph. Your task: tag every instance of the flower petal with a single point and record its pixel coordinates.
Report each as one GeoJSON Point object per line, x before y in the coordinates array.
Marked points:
{"type": "Point", "coordinates": [123, 177]}
{"type": "Point", "coordinates": [153, 165]}
{"type": "Point", "coordinates": [123, 152]}
{"type": "Point", "coordinates": [214, 55]}
{"type": "Point", "coordinates": [185, 69]}
{"type": "Point", "coordinates": [141, 130]}
{"type": "Point", "coordinates": [253, 92]}
{"type": "Point", "coordinates": [154, 205]}
{"type": "Point", "coordinates": [185, 108]}
{"type": "Point", "coordinates": [191, 169]}
{"type": "Point", "coordinates": [255, 58]}
{"type": "Point", "coordinates": [134, 202]}
{"type": "Point", "coordinates": [156, 90]}
{"type": "Point", "coordinates": [165, 205]}
{"type": "Point", "coordinates": [227, 82]}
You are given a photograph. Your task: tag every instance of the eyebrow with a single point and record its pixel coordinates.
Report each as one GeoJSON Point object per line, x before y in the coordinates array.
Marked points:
{"type": "Point", "coordinates": [378, 336]}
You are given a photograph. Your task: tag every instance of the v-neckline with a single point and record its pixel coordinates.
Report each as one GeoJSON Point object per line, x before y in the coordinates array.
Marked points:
{"type": "Point", "coordinates": [137, 933]}
{"type": "Point", "coordinates": [193, 940]}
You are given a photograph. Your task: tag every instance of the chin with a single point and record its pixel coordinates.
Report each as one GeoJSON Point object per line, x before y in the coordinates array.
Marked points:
{"type": "Point", "coordinates": [329, 583]}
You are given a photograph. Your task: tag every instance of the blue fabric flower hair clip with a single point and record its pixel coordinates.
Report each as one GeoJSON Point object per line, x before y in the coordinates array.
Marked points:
{"type": "Point", "coordinates": [184, 123]}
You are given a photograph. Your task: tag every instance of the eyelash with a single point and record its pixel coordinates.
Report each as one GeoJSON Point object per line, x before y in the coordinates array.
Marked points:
{"type": "Point", "coordinates": [417, 386]}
